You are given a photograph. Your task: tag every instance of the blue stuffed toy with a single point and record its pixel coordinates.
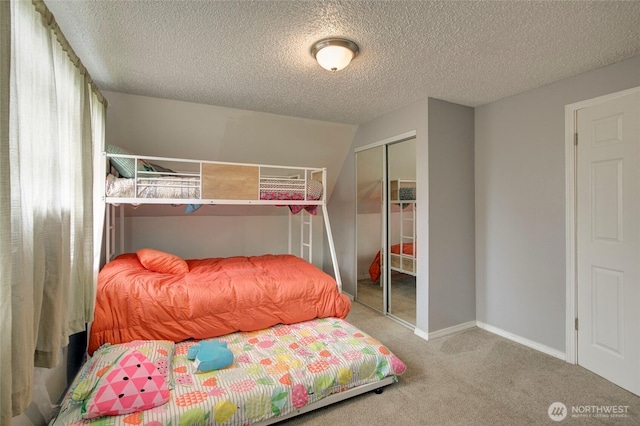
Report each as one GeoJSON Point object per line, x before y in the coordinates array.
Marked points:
{"type": "Point", "coordinates": [210, 355]}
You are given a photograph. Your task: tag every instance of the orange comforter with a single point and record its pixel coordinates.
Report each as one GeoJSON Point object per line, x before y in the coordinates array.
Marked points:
{"type": "Point", "coordinates": [216, 297]}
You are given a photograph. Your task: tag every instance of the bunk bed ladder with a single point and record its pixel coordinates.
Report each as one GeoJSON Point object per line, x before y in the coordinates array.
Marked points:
{"type": "Point", "coordinates": [111, 232]}
{"type": "Point", "coordinates": [306, 220]}
{"type": "Point", "coordinates": [408, 217]}
{"type": "Point", "coordinates": [110, 249]}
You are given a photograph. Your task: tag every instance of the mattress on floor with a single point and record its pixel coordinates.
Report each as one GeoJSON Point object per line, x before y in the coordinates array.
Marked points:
{"type": "Point", "coordinates": [275, 372]}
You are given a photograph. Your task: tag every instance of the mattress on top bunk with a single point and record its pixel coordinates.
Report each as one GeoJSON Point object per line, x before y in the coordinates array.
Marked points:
{"type": "Point", "coordinates": [165, 187]}
{"type": "Point", "coordinates": [206, 298]}
{"type": "Point", "coordinates": [176, 187]}
{"type": "Point", "coordinates": [276, 372]}
{"type": "Point", "coordinates": [272, 189]}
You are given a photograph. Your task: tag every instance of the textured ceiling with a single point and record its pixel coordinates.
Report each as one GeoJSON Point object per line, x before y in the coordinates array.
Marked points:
{"type": "Point", "coordinates": [255, 55]}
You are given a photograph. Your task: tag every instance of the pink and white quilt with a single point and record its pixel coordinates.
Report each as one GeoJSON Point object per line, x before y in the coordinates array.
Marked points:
{"type": "Point", "coordinates": [275, 372]}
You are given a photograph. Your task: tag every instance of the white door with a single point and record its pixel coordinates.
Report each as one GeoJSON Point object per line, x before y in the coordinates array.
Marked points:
{"type": "Point", "coordinates": [608, 240]}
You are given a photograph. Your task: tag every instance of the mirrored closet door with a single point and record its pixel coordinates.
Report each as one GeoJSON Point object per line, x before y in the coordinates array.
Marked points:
{"type": "Point", "coordinates": [369, 225]}
{"type": "Point", "coordinates": [386, 229]}
{"type": "Point", "coordinates": [401, 229]}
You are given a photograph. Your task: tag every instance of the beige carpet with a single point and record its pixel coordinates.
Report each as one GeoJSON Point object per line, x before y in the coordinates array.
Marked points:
{"type": "Point", "coordinates": [472, 378]}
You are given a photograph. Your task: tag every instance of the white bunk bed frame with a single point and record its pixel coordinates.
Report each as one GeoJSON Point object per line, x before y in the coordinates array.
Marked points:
{"type": "Point", "coordinates": [205, 176]}
{"type": "Point", "coordinates": [111, 214]}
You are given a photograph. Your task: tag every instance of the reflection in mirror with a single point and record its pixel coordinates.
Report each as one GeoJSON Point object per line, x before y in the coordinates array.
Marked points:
{"type": "Point", "coordinates": [369, 217]}
{"type": "Point", "coordinates": [402, 205]}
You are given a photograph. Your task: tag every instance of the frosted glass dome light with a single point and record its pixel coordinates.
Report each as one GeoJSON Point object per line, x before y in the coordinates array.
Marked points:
{"type": "Point", "coordinates": [334, 54]}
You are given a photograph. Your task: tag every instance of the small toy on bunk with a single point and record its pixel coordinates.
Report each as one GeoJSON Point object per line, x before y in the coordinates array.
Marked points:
{"type": "Point", "coordinates": [210, 355]}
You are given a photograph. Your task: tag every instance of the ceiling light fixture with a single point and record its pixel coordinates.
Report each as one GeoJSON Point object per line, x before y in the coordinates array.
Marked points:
{"type": "Point", "coordinates": [334, 54]}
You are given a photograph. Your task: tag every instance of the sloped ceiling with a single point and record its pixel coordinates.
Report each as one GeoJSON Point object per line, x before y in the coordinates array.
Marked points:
{"type": "Point", "coordinates": [255, 55]}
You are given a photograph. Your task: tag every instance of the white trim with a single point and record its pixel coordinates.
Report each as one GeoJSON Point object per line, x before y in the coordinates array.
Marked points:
{"type": "Point", "coordinates": [355, 224]}
{"type": "Point", "coordinates": [393, 139]}
{"type": "Point", "coordinates": [421, 333]}
{"type": "Point", "coordinates": [570, 239]}
{"type": "Point", "coordinates": [452, 330]}
{"type": "Point", "coordinates": [491, 329]}
{"type": "Point", "coordinates": [521, 340]}
{"type": "Point", "coordinates": [602, 99]}
{"type": "Point", "coordinates": [570, 112]}
{"type": "Point", "coordinates": [385, 278]}
{"type": "Point", "coordinates": [350, 296]}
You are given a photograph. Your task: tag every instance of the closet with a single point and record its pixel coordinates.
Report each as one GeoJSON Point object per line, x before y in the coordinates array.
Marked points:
{"type": "Point", "coordinates": [386, 208]}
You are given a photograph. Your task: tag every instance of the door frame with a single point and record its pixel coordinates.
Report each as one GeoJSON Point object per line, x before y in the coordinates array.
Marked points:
{"type": "Point", "coordinates": [571, 114]}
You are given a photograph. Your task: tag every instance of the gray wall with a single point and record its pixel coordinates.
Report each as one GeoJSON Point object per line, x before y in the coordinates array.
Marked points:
{"type": "Point", "coordinates": [445, 282]}
{"type": "Point", "coordinates": [342, 204]}
{"type": "Point", "coordinates": [452, 292]}
{"type": "Point", "coordinates": [520, 214]}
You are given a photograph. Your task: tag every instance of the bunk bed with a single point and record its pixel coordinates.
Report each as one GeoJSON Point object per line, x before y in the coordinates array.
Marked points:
{"type": "Point", "coordinates": [402, 251]}
{"type": "Point", "coordinates": [291, 353]}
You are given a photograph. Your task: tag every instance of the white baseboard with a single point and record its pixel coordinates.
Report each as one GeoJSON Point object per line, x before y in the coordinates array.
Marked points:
{"type": "Point", "coordinates": [523, 341]}
{"type": "Point", "coordinates": [349, 296]}
{"type": "Point", "coordinates": [451, 330]}
{"type": "Point", "coordinates": [421, 333]}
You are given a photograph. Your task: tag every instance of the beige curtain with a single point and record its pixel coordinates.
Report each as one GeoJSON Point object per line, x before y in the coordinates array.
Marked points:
{"type": "Point", "coordinates": [5, 219]}
{"type": "Point", "coordinates": [52, 123]}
